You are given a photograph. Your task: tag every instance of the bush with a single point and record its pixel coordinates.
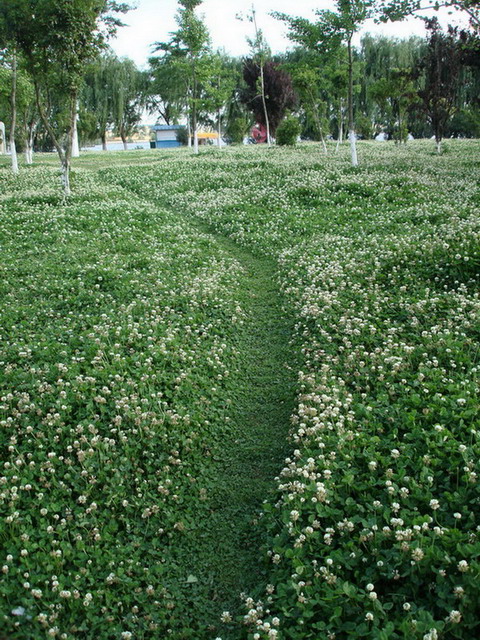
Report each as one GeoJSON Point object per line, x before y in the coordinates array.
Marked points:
{"type": "Point", "coordinates": [237, 129]}
{"type": "Point", "coordinates": [182, 136]}
{"type": "Point", "coordinates": [288, 131]}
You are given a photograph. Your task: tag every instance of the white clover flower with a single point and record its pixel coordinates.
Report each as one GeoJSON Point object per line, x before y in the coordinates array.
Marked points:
{"type": "Point", "coordinates": [455, 616]}
{"type": "Point", "coordinates": [434, 504]}
{"type": "Point", "coordinates": [463, 566]}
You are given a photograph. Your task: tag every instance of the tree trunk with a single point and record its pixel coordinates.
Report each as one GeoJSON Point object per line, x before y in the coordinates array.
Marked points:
{"type": "Point", "coordinates": [219, 129]}
{"type": "Point", "coordinates": [2, 134]}
{"type": "Point", "coordinates": [264, 102]}
{"type": "Point", "coordinates": [104, 141]}
{"type": "Point", "coordinates": [438, 142]}
{"type": "Point", "coordinates": [351, 124]}
{"type": "Point", "coordinates": [64, 155]}
{"type": "Point", "coordinates": [66, 176]}
{"type": "Point", "coordinates": [194, 114]}
{"type": "Point", "coordinates": [13, 148]}
{"type": "Point", "coordinates": [123, 137]}
{"type": "Point", "coordinates": [195, 140]}
{"type": "Point", "coordinates": [29, 133]}
{"type": "Point", "coordinates": [340, 126]}
{"type": "Point", "coordinates": [51, 133]}
{"type": "Point", "coordinates": [75, 145]}
{"type": "Point", "coordinates": [320, 130]}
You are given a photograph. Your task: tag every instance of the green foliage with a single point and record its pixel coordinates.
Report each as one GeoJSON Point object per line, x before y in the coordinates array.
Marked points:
{"type": "Point", "coordinates": [364, 127]}
{"type": "Point", "coordinates": [237, 129]}
{"type": "Point", "coordinates": [288, 131]}
{"type": "Point", "coordinates": [182, 136]}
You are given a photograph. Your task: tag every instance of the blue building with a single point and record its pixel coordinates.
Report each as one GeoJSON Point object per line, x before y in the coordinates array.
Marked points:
{"type": "Point", "coordinates": [165, 136]}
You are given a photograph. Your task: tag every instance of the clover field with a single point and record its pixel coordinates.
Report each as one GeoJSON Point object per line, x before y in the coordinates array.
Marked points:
{"type": "Point", "coordinates": [256, 371]}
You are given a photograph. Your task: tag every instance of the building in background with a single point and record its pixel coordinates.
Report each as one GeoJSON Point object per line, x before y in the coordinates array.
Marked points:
{"type": "Point", "coordinates": [165, 136]}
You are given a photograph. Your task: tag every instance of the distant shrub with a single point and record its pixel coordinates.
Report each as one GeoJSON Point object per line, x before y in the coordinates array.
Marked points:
{"type": "Point", "coordinates": [182, 136]}
{"type": "Point", "coordinates": [288, 131]}
{"type": "Point", "coordinates": [237, 129]}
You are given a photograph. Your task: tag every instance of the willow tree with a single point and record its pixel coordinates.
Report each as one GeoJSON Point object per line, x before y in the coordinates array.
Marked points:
{"type": "Point", "coordinates": [129, 91]}
{"type": "Point", "coordinates": [328, 34]}
{"type": "Point", "coordinates": [97, 95]}
{"type": "Point", "coordinates": [57, 39]}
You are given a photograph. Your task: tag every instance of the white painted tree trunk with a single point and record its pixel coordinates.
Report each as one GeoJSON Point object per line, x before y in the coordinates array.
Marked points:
{"type": "Point", "coordinates": [13, 152]}
{"type": "Point", "coordinates": [3, 149]}
{"type": "Point", "coordinates": [195, 141]}
{"type": "Point", "coordinates": [353, 147]}
{"type": "Point", "coordinates": [28, 155]}
{"type": "Point", "coordinates": [340, 133]}
{"type": "Point", "coordinates": [219, 142]}
{"type": "Point", "coordinates": [439, 146]}
{"type": "Point", "coordinates": [13, 148]}
{"type": "Point", "coordinates": [66, 179]}
{"type": "Point", "coordinates": [75, 146]}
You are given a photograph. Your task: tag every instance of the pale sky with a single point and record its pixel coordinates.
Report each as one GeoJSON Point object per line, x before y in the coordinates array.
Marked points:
{"type": "Point", "coordinates": [153, 20]}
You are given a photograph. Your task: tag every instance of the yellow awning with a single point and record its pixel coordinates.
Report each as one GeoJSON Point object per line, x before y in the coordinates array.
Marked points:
{"type": "Point", "coordinates": [207, 135]}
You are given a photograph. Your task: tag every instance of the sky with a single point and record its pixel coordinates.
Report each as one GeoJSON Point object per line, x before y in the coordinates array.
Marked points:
{"type": "Point", "coordinates": [153, 20]}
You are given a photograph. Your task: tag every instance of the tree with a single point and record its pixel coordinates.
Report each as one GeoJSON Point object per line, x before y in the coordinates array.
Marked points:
{"type": "Point", "coordinates": [396, 93]}
{"type": "Point", "coordinates": [57, 40]}
{"type": "Point", "coordinates": [188, 49]}
{"type": "Point", "coordinates": [270, 109]}
{"type": "Point", "coordinates": [327, 35]}
{"type": "Point", "coordinates": [441, 67]}
{"type": "Point", "coordinates": [260, 53]}
{"type": "Point", "coordinates": [97, 97]}
{"type": "Point", "coordinates": [20, 103]}
{"type": "Point", "coordinates": [222, 85]}
{"type": "Point", "coordinates": [167, 93]}
{"type": "Point", "coordinates": [399, 9]}
{"type": "Point", "coordinates": [387, 80]}
{"type": "Point", "coordinates": [129, 89]}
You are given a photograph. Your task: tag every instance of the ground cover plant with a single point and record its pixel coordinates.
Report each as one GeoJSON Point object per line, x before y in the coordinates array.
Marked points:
{"type": "Point", "coordinates": [123, 308]}
{"type": "Point", "coordinates": [374, 533]}
{"type": "Point", "coordinates": [119, 354]}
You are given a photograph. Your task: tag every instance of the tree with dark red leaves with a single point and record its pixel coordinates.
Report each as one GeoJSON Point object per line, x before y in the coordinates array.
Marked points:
{"type": "Point", "coordinates": [279, 94]}
{"type": "Point", "coordinates": [441, 68]}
